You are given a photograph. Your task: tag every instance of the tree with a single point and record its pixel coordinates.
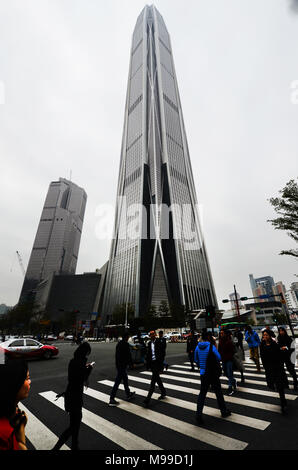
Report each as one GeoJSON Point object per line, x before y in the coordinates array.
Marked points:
{"type": "Point", "coordinates": [286, 207]}
{"type": "Point", "coordinates": [163, 308]}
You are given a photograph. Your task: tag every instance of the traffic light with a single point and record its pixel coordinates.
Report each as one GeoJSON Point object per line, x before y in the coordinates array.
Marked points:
{"type": "Point", "coordinates": [210, 311]}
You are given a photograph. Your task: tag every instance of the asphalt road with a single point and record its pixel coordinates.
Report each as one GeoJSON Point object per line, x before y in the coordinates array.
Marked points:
{"type": "Point", "coordinates": [256, 422]}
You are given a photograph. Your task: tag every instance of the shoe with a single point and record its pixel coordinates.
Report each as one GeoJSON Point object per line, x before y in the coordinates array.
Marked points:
{"type": "Point", "coordinates": [284, 409]}
{"type": "Point", "coordinates": [230, 392]}
{"type": "Point", "coordinates": [113, 402]}
{"type": "Point", "coordinates": [162, 397]}
{"type": "Point", "coordinates": [131, 395]}
{"type": "Point", "coordinates": [199, 420]}
{"type": "Point", "coordinates": [226, 413]}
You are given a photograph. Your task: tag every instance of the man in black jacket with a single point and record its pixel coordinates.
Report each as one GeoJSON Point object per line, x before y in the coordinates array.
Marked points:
{"type": "Point", "coordinates": [123, 359]}
{"type": "Point", "coordinates": [154, 359]}
{"type": "Point", "coordinates": [191, 344]}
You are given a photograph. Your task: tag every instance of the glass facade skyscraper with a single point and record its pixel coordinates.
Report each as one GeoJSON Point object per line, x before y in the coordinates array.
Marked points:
{"type": "Point", "coordinates": [158, 252]}
{"type": "Point", "coordinates": [56, 245]}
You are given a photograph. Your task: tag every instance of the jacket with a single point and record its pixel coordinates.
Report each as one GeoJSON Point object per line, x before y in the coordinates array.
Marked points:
{"type": "Point", "coordinates": [8, 439]}
{"type": "Point", "coordinates": [226, 349]}
{"type": "Point", "coordinates": [191, 344]}
{"type": "Point", "coordinates": [159, 354]}
{"type": "Point", "coordinates": [123, 355]}
{"type": "Point", "coordinates": [252, 339]}
{"type": "Point", "coordinates": [201, 354]}
{"type": "Point", "coordinates": [78, 373]}
{"type": "Point", "coordinates": [163, 344]}
{"type": "Point", "coordinates": [287, 341]}
{"type": "Point", "coordinates": [273, 364]}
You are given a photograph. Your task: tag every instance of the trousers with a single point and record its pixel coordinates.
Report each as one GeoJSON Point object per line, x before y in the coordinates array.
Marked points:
{"type": "Point", "coordinates": [206, 381]}
{"type": "Point", "coordinates": [156, 370]}
{"type": "Point", "coordinates": [121, 375]}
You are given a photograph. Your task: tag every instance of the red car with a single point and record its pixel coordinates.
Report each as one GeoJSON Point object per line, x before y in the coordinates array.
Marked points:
{"type": "Point", "coordinates": [27, 348]}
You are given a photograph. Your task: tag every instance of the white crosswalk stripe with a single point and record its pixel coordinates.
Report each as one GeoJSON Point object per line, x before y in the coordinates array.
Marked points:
{"type": "Point", "coordinates": [117, 434]}
{"type": "Point", "coordinates": [253, 408]}
{"type": "Point", "coordinates": [234, 418]}
{"type": "Point", "coordinates": [195, 432]}
{"type": "Point", "coordinates": [38, 434]}
{"type": "Point", "coordinates": [240, 389]}
{"type": "Point", "coordinates": [233, 399]}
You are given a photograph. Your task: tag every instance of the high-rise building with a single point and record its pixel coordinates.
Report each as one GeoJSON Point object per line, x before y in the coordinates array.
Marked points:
{"type": "Point", "coordinates": [158, 251]}
{"type": "Point", "coordinates": [56, 245]}
{"type": "Point", "coordinates": [266, 282]}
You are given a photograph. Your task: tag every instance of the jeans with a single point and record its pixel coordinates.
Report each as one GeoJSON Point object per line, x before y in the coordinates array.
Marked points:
{"type": "Point", "coordinates": [121, 375]}
{"type": "Point", "coordinates": [205, 384]}
{"type": "Point", "coordinates": [228, 370]}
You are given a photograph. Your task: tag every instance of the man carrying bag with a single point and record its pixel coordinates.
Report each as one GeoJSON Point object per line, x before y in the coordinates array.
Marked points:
{"type": "Point", "coordinates": [208, 359]}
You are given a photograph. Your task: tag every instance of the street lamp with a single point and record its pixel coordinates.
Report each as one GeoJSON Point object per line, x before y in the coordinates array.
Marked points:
{"type": "Point", "coordinates": [236, 301]}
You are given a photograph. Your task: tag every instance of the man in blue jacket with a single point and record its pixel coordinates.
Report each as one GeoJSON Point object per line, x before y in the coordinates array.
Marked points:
{"type": "Point", "coordinates": [208, 359]}
{"type": "Point", "coordinates": [253, 341]}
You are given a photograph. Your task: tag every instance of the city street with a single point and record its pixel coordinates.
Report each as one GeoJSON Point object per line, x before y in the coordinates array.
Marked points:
{"type": "Point", "coordinates": [256, 422]}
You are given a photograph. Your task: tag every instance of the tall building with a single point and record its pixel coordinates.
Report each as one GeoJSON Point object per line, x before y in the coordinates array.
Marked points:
{"type": "Point", "coordinates": [265, 282]}
{"type": "Point", "coordinates": [158, 251]}
{"type": "Point", "coordinates": [56, 245]}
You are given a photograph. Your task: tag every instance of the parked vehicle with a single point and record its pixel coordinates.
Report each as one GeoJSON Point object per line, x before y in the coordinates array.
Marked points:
{"type": "Point", "coordinates": [27, 348]}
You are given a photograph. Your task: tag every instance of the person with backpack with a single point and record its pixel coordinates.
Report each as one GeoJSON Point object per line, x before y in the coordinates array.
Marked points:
{"type": "Point", "coordinates": [208, 360]}
{"type": "Point", "coordinates": [253, 341]}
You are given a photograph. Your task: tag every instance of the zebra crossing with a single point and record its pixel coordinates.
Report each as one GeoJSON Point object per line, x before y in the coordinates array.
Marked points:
{"type": "Point", "coordinates": [167, 424]}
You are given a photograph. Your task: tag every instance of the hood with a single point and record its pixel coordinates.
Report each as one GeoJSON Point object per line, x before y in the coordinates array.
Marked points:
{"type": "Point", "coordinates": [204, 345]}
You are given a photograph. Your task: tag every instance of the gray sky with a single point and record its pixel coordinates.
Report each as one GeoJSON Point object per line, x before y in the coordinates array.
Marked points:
{"type": "Point", "coordinates": [64, 68]}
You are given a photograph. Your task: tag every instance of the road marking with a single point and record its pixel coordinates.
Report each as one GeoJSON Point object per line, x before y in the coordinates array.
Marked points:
{"type": "Point", "coordinates": [233, 399]}
{"type": "Point", "coordinates": [38, 434]}
{"type": "Point", "coordinates": [234, 418]}
{"type": "Point", "coordinates": [254, 391]}
{"type": "Point", "coordinates": [211, 438]}
{"type": "Point", "coordinates": [116, 434]}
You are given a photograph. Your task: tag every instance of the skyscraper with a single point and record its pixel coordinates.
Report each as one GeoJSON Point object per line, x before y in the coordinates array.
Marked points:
{"type": "Point", "coordinates": [158, 252]}
{"type": "Point", "coordinates": [56, 245]}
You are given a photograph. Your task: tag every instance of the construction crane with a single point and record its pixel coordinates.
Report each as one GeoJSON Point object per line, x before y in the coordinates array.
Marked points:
{"type": "Point", "coordinates": [21, 263]}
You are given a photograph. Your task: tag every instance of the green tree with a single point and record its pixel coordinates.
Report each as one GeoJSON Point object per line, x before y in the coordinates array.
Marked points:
{"type": "Point", "coordinates": [286, 207]}
{"type": "Point", "coordinates": [163, 308]}
{"type": "Point", "coordinates": [119, 313]}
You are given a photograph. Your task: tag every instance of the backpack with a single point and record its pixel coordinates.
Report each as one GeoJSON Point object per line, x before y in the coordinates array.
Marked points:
{"type": "Point", "coordinates": [213, 367]}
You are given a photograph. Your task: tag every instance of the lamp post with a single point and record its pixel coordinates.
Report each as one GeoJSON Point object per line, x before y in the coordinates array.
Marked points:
{"type": "Point", "coordinates": [236, 302]}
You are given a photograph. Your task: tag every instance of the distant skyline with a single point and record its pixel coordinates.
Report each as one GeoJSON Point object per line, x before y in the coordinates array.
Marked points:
{"type": "Point", "coordinates": [62, 100]}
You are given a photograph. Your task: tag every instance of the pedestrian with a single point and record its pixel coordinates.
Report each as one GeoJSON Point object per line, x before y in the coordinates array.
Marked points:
{"type": "Point", "coordinates": [226, 350]}
{"type": "Point", "coordinates": [191, 344]}
{"type": "Point", "coordinates": [253, 341]}
{"type": "Point", "coordinates": [141, 342]}
{"type": "Point", "coordinates": [274, 369]}
{"type": "Point", "coordinates": [208, 360]}
{"type": "Point", "coordinates": [154, 360]}
{"type": "Point", "coordinates": [123, 360]}
{"type": "Point", "coordinates": [269, 331]}
{"type": "Point", "coordinates": [163, 342]}
{"type": "Point", "coordinates": [238, 335]}
{"type": "Point", "coordinates": [78, 373]}
{"type": "Point", "coordinates": [287, 347]}
{"type": "Point", "coordinates": [15, 386]}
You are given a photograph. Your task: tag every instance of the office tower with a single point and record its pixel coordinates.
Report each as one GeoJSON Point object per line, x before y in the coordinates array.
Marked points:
{"type": "Point", "coordinates": [266, 282]}
{"type": "Point", "coordinates": [56, 245]}
{"type": "Point", "coordinates": [158, 252]}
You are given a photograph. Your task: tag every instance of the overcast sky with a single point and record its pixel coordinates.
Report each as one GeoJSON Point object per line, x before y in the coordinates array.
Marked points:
{"type": "Point", "coordinates": [63, 78]}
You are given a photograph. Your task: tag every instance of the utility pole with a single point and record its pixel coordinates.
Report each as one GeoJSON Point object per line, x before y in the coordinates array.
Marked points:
{"type": "Point", "coordinates": [237, 304]}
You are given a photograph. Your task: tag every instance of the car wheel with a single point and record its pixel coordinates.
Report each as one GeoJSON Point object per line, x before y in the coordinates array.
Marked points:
{"type": "Point", "coordinates": [47, 355]}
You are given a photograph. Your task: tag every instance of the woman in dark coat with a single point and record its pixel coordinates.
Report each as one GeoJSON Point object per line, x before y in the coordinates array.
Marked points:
{"type": "Point", "coordinates": [287, 347]}
{"type": "Point", "coordinates": [78, 373]}
{"type": "Point", "coordinates": [226, 350]}
{"type": "Point", "coordinates": [274, 368]}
